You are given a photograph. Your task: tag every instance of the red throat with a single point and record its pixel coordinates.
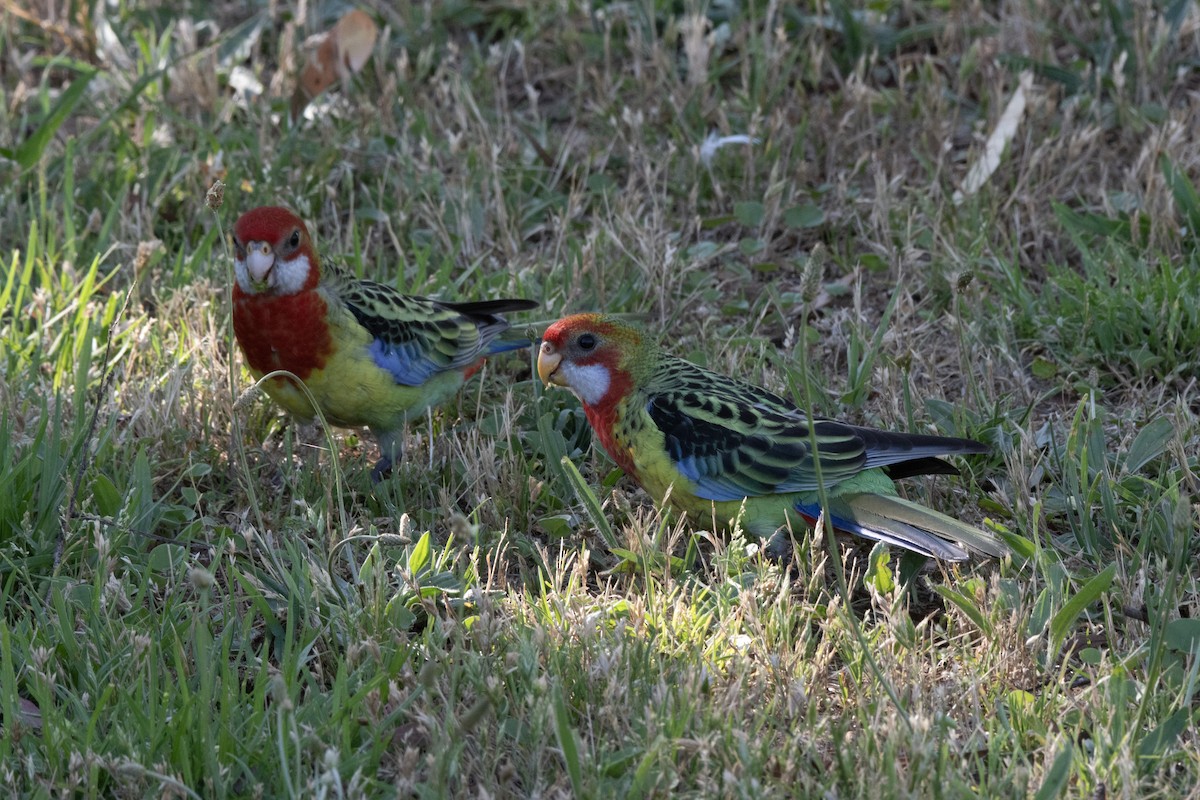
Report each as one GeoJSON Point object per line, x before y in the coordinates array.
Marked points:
{"type": "Point", "coordinates": [282, 331]}
{"type": "Point", "coordinates": [603, 422]}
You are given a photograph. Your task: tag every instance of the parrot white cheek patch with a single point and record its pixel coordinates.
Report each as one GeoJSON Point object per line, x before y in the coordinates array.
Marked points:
{"type": "Point", "coordinates": [291, 275]}
{"type": "Point", "coordinates": [590, 382]}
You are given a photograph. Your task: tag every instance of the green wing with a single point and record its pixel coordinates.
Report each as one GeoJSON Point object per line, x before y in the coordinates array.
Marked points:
{"type": "Point", "coordinates": [414, 338]}
{"type": "Point", "coordinates": [735, 440]}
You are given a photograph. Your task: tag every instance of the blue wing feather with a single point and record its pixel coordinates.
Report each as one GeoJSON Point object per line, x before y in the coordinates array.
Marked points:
{"type": "Point", "coordinates": [416, 338]}
{"type": "Point", "coordinates": [406, 362]}
{"type": "Point", "coordinates": [410, 364]}
{"type": "Point", "coordinates": [506, 345]}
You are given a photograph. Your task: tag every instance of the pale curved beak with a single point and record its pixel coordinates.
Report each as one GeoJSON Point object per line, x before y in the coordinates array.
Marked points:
{"type": "Point", "coordinates": [548, 361]}
{"type": "Point", "coordinates": [260, 258]}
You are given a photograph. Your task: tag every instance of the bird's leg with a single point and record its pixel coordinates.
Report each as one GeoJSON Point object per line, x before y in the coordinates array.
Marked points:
{"type": "Point", "coordinates": [310, 441]}
{"type": "Point", "coordinates": [391, 448]}
{"type": "Point", "coordinates": [429, 422]}
{"type": "Point", "coordinates": [778, 547]}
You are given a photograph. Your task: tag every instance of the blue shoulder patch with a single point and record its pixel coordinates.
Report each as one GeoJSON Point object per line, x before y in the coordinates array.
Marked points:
{"type": "Point", "coordinates": [406, 363]}
{"type": "Point", "coordinates": [708, 486]}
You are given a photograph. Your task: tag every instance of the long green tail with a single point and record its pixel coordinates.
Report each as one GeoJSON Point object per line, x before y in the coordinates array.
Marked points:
{"type": "Point", "coordinates": [906, 524]}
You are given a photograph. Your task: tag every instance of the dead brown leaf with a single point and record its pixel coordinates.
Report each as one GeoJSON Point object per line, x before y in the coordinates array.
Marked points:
{"type": "Point", "coordinates": [341, 53]}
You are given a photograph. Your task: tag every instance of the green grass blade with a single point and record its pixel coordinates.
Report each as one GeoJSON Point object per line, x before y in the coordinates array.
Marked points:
{"type": "Point", "coordinates": [591, 504]}
{"type": "Point", "coordinates": [1064, 619]}
{"type": "Point", "coordinates": [29, 152]}
{"type": "Point", "coordinates": [1057, 776]}
{"type": "Point", "coordinates": [967, 605]}
{"type": "Point", "coordinates": [1185, 194]}
{"type": "Point", "coordinates": [568, 744]}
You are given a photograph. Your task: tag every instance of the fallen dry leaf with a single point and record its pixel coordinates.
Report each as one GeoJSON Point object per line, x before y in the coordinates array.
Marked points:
{"type": "Point", "coordinates": [1005, 130]}
{"type": "Point", "coordinates": [341, 53]}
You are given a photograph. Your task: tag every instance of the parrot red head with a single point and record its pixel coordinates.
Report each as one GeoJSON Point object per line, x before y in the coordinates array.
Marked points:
{"type": "Point", "coordinates": [590, 355]}
{"type": "Point", "coordinates": [273, 253]}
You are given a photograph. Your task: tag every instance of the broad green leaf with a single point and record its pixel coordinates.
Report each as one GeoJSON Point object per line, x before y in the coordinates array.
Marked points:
{"type": "Point", "coordinates": [1160, 740]}
{"type": "Point", "coordinates": [599, 182]}
{"type": "Point", "coordinates": [106, 496]}
{"type": "Point", "coordinates": [418, 559]}
{"type": "Point", "coordinates": [750, 213]}
{"type": "Point", "coordinates": [167, 559]}
{"type": "Point", "coordinates": [559, 525]}
{"type": "Point", "coordinates": [1019, 545]}
{"type": "Point", "coordinates": [370, 565]}
{"type": "Point", "coordinates": [552, 443]}
{"type": "Point", "coordinates": [910, 566]}
{"type": "Point", "coordinates": [1057, 776]}
{"type": "Point", "coordinates": [808, 215]}
{"type": "Point", "coordinates": [1062, 622]}
{"type": "Point", "coordinates": [1149, 444]}
{"type": "Point", "coordinates": [398, 614]}
{"type": "Point", "coordinates": [1020, 700]}
{"type": "Point", "coordinates": [878, 574]}
{"type": "Point", "coordinates": [1182, 634]}
{"type": "Point", "coordinates": [197, 470]}
{"type": "Point", "coordinates": [1043, 368]}
{"type": "Point", "coordinates": [872, 263]}
{"type": "Point", "coordinates": [29, 152]}
{"type": "Point", "coordinates": [751, 245]}
{"type": "Point", "coordinates": [1091, 225]}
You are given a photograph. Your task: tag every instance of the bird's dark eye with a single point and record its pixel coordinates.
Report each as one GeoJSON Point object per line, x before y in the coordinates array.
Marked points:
{"type": "Point", "coordinates": [295, 240]}
{"type": "Point", "coordinates": [587, 341]}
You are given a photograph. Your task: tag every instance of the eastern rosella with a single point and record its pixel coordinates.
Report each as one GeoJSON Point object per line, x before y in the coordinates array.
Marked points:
{"type": "Point", "coordinates": [717, 445]}
{"type": "Point", "coordinates": [369, 355]}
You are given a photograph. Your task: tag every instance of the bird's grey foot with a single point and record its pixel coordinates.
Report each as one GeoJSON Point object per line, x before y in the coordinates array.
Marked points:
{"type": "Point", "coordinates": [381, 470]}
{"type": "Point", "coordinates": [778, 548]}
{"type": "Point", "coordinates": [391, 450]}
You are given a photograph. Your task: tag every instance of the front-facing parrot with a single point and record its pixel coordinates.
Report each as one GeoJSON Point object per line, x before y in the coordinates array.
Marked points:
{"type": "Point", "coordinates": [369, 355]}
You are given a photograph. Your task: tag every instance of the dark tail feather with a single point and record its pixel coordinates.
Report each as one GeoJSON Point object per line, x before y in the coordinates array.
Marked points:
{"type": "Point", "coordinates": [920, 466]}
{"type": "Point", "coordinates": [486, 314]}
{"type": "Point", "coordinates": [486, 308]}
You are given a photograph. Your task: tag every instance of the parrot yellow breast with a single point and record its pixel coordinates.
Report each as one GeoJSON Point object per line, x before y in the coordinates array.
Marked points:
{"type": "Point", "coordinates": [350, 388]}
